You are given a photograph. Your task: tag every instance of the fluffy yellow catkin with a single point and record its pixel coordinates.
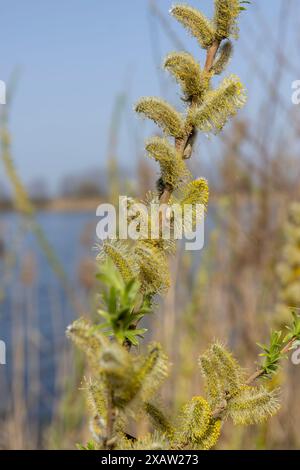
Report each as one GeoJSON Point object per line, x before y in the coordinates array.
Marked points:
{"type": "Point", "coordinates": [153, 268]}
{"type": "Point", "coordinates": [186, 70]}
{"type": "Point", "coordinates": [195, 192]}
{"type": "Point", "coordinates": [196, 23]}
{"type": "Point", "coordinates": [219, 106]}
{"type": "Point", "coordinates": [152, 371]}
{"type": "Point", "coordinates": [253, 405]}
{"type": "Point", "coordinates": [197, 429]}
{"type": "Point", "coordinates": [226, 14]}
{"type": "Point", "coordinates": [212, 436]}
{"type": "Point", "coordinates": [196, 420]}
{"type": "Point", "coordinates": [121, 256]}
{"type": "Point", "coordinates": [173, 167]}
{"type": "Point", "coordinates": [163, 114]}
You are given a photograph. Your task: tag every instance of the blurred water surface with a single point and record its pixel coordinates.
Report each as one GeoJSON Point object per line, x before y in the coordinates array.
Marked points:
{"type": "Point", "coordinates": [34, 308]}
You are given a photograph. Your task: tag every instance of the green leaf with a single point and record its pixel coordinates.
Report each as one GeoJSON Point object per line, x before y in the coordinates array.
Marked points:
{"type": "Point", "coordinates": [272, 353]}
{"type": "Point", "coordinates": [89, 446]}
{"type": "Point", "coordinates": [123, 305]}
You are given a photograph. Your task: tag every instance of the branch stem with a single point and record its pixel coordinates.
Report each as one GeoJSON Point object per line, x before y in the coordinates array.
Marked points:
{"type": "Point", "coordinates": [111, 417]}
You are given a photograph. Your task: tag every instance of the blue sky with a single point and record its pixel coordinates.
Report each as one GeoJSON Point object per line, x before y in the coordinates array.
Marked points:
{"type": "Point", "coordinates": [75, 56]}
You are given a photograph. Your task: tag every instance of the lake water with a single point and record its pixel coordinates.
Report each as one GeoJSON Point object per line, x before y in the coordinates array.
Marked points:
{"type": "Point", "coordinates": [34, 310]}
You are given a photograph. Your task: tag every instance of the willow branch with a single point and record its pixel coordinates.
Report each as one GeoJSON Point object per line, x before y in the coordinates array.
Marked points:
{"type": "Point", "coordinates": [185, 145]}
{"type": "Point", "coordinates": [218, 412]}
{"type": "Point", "coordinates": [259, 373]}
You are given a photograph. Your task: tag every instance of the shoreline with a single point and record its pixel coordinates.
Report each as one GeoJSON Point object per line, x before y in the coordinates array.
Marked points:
{"type": "Point", "coordinates": [59, 205]}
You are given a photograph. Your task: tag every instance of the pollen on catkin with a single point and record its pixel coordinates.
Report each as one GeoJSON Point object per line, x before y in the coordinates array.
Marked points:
{"type": "Point", "coordinates": [196, 418]}
{"type": "Point", "coordinates": [195, 192]}
{"type": "Point", "coordinates": [226, 14]}
{"type": "Point", "coordinates": [219, 106]}
{"type": "Point", "coordinates": [211, 437]}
